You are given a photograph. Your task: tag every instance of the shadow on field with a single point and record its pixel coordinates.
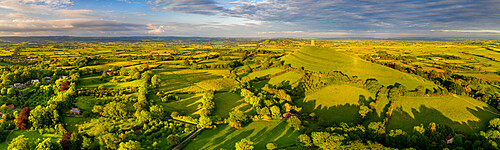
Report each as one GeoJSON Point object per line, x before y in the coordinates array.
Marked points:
{"type": "Point", "coordinates": [260, 133]}
{"type": "Point", "coordinates": [424, 115]}
{"type": "Point", "coordinates": [334, 114]}
{"type": "Point", "coordinates": [176, 81]}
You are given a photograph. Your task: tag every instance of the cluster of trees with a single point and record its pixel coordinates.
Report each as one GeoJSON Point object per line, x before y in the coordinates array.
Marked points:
{"type": "Point", "coordinates": [455, 83]}
{"type": "Point", "coordinates": [345, 135]}
{"type": "Point", "coordinates": [101, 92]}
{"type": "Point", "coordinates": [207, 103]}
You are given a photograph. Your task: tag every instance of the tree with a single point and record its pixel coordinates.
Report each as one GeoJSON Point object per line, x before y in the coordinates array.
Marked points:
{"type": "Point", "coordinates": [363, 110]}
{"type": "Point", "coordinates": [247, 69]}
{"type": "Point", "coordinates": [495, 123]}
{"type": "Point", "coordinates": [173, 139]}
{"type": "Point", "coordinates": [66, 141]}
{"type": "Point", "coordinates": [109, 141]}
{"type": "Point", "coordinates": [275, 110]}
{"type": "Point", "coordinates": [377, 129]}
{"type": "Point", "coordinates": [204, 122]}
{"type": "Point", "coordinates": [157, 112]}
{"type": "Point", "coordinates": [393, 93]}
{"type": "Point", "coordinates": [11, 91]}
{"type": "Point", "coordinates": [236, 118]}
{"type": "Point", "coordinates": [64, 86]}
{"type": "Point", "coordinates": [294, 122]}
{"type": "Point", "coordinates": [186, 62]}
{"type": "Point", "coordinates": [130, 145]}
{"type": "Point", "coordinates": [39, 117]}
{"type": "Point", "coordinates": [325, 140]}
{"type": "Point", "coordinates": [143, 116]}
{"type": "Point", "coordinates": [244, 144]}
{"type": "Point", "coordinates": [115, 110]}
{"type": "Point", "coordinates": [305, 140]}
{"type": "Point", "coordinates": [20, 143]}
{"type": "Point", "coordinates": [155, 81]}
{"type": "Point", "coordinates": [271, 146]}
{"type": "Point", "coordinates": [136, 76]}
{"type": "Point", "coordinates": [22, 120]}
{"type": "Point", "coordinates": [47, 144]}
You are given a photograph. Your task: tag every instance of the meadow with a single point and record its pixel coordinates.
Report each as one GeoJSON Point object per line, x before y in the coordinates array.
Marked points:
{"type": "Point", "coordinates": [259, 132]}
{"type": "Point", "coordinates": [325, 60]}
{"type": "Point", "coordinates": [460, 113]}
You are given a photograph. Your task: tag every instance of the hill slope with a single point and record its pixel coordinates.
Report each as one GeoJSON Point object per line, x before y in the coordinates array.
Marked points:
{"type": "Point", "coordinates": [323, 60]}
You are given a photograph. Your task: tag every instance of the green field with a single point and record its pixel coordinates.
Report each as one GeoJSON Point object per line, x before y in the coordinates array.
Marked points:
{"type": "Point", "coordinates": [226, 102]}
{"type": "Point", "coordinates": [262, 73]}
{"type": "Point", "coordinates": [291, 76]}
{"type": "Point", "coordinates": [336, 102]}
{"type": "Point", "coordinates": [259, 132]}
{"type": "Point", "coordinates": [187, 105]}
{"type": "Point", "coordinates": [461, 113]}
{"type": "Point", "coordinates": [32, 135]}
{"type": "Point", "coordinates": [323, 60]}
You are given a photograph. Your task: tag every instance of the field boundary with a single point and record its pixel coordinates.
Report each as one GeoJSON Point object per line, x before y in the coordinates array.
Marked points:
{"type": "Point", "coordinates": [454, 95]}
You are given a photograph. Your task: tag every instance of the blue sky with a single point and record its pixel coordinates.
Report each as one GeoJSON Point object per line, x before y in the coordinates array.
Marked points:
{"type": "Point", "coordinates": [252, 18]}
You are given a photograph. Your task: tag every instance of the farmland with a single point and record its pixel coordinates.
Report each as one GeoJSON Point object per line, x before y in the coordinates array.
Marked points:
{"type": "Point", "coordinates": [219, 93]}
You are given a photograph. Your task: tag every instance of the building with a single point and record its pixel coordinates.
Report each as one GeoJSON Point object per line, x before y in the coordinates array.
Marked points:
{"type": "Point", "coordinates": [75, 111]}
{"type": "Point", "coordinates": [35, 81]}
{"type": "Point", "coordinates": [288, 115]}
{"type": "Point", "coordinates": [18, 85]}
{"type": "Point", "coordinates": [11, 106]}
{"type": "Point", "coordinates": [449, 139]}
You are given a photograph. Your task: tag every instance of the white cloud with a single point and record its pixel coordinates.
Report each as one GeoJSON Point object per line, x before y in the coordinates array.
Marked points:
{"type": "Point", "coordinates": [67, 25]}
{"type": "Point", "coordinates": [155, 30]}
{"type": "Point", "coordinates": [470, 31]}
{"type": "Point", "coordinates": [75, 13]}
{"type": "Point", "coordinates": [34, 6]}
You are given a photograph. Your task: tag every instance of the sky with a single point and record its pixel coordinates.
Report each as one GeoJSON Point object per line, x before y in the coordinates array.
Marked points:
{"type": "Point", "coordinates": [252, 18]}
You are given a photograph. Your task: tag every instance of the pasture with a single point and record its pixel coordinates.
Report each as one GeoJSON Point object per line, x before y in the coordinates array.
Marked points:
{"type": "Point", "coordinates": [459, 112]}
{"type": "Point", "coordinates": [324, 60]}
{"type": "Point", "coordinates": [339, 103]}
{"type": "Point", "coordinates": [259, 132]}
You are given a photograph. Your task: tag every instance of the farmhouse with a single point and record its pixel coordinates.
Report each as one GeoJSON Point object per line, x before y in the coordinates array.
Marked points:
{"type": "Point", "coordinates": [75, 111]}
{"type": "Point", "coordinates": [18, 85]}
{"type": "Point", "coordinates": [288, 115]}
{"type": "Point", "coordinates": [449, 139]}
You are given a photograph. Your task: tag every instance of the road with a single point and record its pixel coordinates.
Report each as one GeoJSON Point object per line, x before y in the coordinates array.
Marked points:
{"type": "Point", "coordinates": [187, 139]}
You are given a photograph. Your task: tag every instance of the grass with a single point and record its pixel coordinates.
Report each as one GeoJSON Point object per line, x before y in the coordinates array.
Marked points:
{"type": "Point", "coordinates": [71, 122]}
{"type": "Point", "coordinates": [94, 82]}
{"type": "Point", "coordinates": [259, 132]}
{"type": "Point", "coordinates": [324, 60]}
{"type": "Point", "coordinates": [32, 135]}
{"type": "Point", "coordinates": [335, 102]}
{"type": "Point", "coordinates": [217, 84]}
{"type": "Point", "coordinates": [262, 73]}
{"type": "Point", "coordinates": [291, 76]}
{"type": "Point", "coordinates": [461, 113]}
{"type": "Point", "coordinates": [187, 105]}
{"type": "Point", "coordinates": [226, 102]}
{"type": "Point", "coordinates": [186, 79]}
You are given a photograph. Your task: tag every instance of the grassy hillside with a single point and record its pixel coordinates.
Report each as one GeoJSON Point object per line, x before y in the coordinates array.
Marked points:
{"type": "Point", "coordinates": [259, 132]}
{"type": "Point", "coordinates": [336, 102]}
{"type": "Point", "coordinates": [461, 113]}
{"type": "Point", "coordinates": [319, 59]}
